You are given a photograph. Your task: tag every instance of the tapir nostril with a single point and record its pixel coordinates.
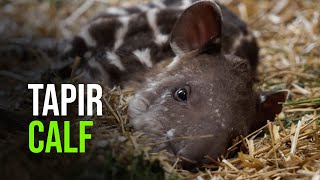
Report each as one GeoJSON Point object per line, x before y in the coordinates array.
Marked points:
{"type": "Point", "coordinates": [138, 105]}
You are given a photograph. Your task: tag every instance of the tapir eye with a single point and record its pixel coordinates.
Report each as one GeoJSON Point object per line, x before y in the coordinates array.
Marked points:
{"type": "Point", "coordinates": [181, 95]}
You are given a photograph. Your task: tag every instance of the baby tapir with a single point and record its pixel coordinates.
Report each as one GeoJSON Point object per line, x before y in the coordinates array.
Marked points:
{"type": "Point", "coordinates": [204, 97]}
{"type": "Point", "coordinates": [196, 66]}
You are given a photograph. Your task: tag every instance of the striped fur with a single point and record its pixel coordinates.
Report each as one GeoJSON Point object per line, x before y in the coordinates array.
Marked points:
{"type": "Point", "coordinates": [126, 41]}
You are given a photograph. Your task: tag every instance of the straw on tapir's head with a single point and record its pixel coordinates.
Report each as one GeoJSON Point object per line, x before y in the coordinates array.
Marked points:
{"type": "Point", "coordinates": [204, 98]}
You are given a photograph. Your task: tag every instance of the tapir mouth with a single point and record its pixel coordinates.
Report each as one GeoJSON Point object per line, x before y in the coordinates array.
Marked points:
{"type": "Point", "coordinates": [184, 161]}
{"type": "Point", "coordinates": [190, 152]}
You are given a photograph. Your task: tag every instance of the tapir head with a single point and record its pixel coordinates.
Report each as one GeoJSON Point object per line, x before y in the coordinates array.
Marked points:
{"type": "Point", "coordinates": [204, 98]}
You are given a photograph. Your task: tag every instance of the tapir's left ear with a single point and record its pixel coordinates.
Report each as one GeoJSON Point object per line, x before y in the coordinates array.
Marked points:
{"type": "Point", "coordinates": [198, 28]}
{"type": "Point", "coordinates": [269, 105]}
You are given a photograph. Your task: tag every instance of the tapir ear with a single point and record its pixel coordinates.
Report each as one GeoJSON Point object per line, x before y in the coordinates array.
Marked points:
{"type": "Point", "coordinates": [198, 28]}
{"type": "Point", "coordinates": [271, 103]}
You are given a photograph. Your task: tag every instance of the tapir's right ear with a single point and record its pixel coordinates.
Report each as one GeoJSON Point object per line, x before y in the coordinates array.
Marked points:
{"type": "Point", "coordinates": [269, 104]}
{"type": "Point", "coordinates": [198, 28]}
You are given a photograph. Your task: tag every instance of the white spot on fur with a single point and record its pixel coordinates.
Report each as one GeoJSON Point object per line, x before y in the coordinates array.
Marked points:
{"type": "Point", "coordinates": [88, 39]}
{"type": "Point", "coordinates": [115, 60]}
{"type": "Point", "coordinates": [161, 39]}
{"type": "Point", "coordinates": [218, 112]}
{"type": "Point", "coordinates": [152, 20]}
{"type": "Point", "coordinates": [239, 40]}
{"type": "Point", "coordinates": [170, 133]}
{"type": "Point", "coordinates": [262, 99]}
{"type": "Point", "coordinates": [144, 56]}
{"type": "Point", "coordinates": [116, 11]}
{"type": "Point", "coordinates": [120, 34]}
